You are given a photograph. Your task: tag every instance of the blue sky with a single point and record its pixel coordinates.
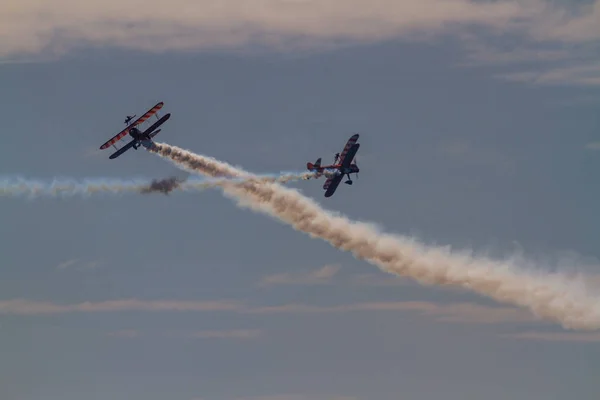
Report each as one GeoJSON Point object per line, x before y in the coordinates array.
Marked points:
{"type": "Point", "coordinates": [479, 129]}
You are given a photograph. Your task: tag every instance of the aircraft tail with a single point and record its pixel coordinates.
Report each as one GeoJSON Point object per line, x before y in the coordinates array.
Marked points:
{"type": "Point", "coordinates": [154, 133]}
{"type": "Point", "coordinates": [148, 144]}
{"type": "Point", "coordinates": [317, 164]}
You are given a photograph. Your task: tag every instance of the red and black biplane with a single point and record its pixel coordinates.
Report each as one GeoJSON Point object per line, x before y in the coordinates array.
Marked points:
{"type": "Point", "coordinates": [139, 138]}
{"type": "Point", "coordinates": [344, 164]}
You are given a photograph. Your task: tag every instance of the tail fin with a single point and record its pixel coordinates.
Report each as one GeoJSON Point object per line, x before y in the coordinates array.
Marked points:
{"type": "Point", "coordinates": [154, 133]}
{"type": "Point", "coordinates": [317, 164]}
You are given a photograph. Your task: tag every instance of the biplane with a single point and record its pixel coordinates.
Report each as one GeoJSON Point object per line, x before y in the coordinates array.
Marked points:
{"type": "Point", "coordinates": [139, 137]}
{"type": "Point", "coordinates": [344, 164]}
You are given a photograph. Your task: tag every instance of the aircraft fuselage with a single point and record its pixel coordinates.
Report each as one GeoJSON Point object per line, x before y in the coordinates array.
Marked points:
{"type": "Point", "coordinates": [335, 169]}
{"type": "Point", "coordinates": [137, 135]}
{"type": "Point", "coordinates": [352, 169]}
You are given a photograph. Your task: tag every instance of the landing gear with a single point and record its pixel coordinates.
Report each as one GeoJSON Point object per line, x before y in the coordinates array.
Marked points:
{"type": "Point", "coordinates": [349, 181]}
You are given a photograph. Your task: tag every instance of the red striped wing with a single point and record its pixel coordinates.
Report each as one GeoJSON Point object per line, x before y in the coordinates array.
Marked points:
{"type": "Point", "coordinates": [138, 121]}
{"type": "Point", "coordinates": [349, 144]}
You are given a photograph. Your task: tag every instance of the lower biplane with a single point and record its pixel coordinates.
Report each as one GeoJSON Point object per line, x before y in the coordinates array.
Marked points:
{"type": "Point", "coordinates": [139, 137]}
{"type": "Point", "coordinates": [343, 164]}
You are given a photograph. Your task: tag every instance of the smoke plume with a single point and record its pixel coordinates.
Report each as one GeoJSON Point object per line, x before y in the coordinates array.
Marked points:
{"type": "Point", "coordinates": [163, 185]}
{"type": "Point", "coordinates": [19, 187]}
{"type": "Point", "coordinates": [551, 296]}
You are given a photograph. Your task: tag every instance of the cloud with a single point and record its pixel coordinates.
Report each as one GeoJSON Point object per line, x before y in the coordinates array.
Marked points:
{"type": "Point", "coordinates": [593, 146]}
{"type": "Point", "coordinates": [127, 333]}
{"type": "Point", "coordinates": [552, 43]}
{"type": "Point", "coordinates": [324, 275]}
{"type": "Point", "coordinates": [320, 276]}
{"type": "Point", "coordinates": [486, 52]}
{"type": "Point", "coordinates": [66, 264]}
{"type": "Point", "coordinates": [77, 265]}
{"type": "Point", "coordinates": [517, 31]}
{"type": "Point", "coordinates": [466, 153]}
{"type": "Point", "coordinates": [204, 334]}
{"type": "Point", "coordinates": [586, 337]}
{"type": "Point", "coordinates": [586, 75]}
{"type": "Point", "coordinates": [225, 334]}
{"type": "Point", "coordinates": [297, 397]}
{"type": "Point", "coordinates": [455, 312]}
{"type": "Point", "coordinates": [379, 280]}
{"type": "Point", "coordinates": [31, 307]}
{"type": "Point", "coordinates": [574, 24]}
{"type": "Point", "coordinates": [31, 26]}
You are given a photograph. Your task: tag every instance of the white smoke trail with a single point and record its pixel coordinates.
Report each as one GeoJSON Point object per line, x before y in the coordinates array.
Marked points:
{"type": "Point", "coordinates": [18, 187]}
{"type": "Point", "coordinates": [551, 296]}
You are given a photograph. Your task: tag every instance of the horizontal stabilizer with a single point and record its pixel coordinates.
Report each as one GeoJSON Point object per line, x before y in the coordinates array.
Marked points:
{"type": "Point", "coordinates": [154, 133]}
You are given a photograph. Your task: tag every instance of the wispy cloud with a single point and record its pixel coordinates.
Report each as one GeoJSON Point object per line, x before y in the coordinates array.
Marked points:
{"type": "Point", "coordinates": [66, 264]}
{"type": "Point", "coordinates": [203, 334]}
{"type": "Point", "coordinates": [224, 334]}
{"type": "Point", "coordinates": [127, 333]}
{"type": "Point", "coordinates": [30, 26]}
{"type": "Point", "coordinates": [320, 276]}
{"type": "Point", "coordinates": [290, 396]}
{"type": "Point", "coordinates": [488, 52]}
{"type": "Point", "coordinates": [77, 264]}
{"type": "Point", "coordinates": [466, 153]}
{"type": "Point", "coordinates": [325, 275]}
{"type": "Point", "coordinates": [456, 312]}
{"type": "Point", "coordinates": [298, 397]}
{"type": "Point", "coordinates": [586, 75]}
{"type": "Point", "coordinates": [593, 146]}
{"type": "Point", "coordinates": [586, 337]}
{"type": "Point", "coordinates": [31, 307]}
{"type": "Point", "coordinates": [452, 312]}
{"type": "Point", "coordinates": [378, 280]}
{"type": "Point", "coordinates": [516, 31]}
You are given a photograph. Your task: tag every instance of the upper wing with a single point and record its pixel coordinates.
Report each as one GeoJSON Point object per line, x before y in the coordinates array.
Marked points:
{"type": "Point", "coordinates": [350, 155]}
{"type": "Point", "coordinates": [331, 185]}
{"type": "Point", "coordinates": [347, 148]}
{"type": "Point", "coordinates": [157, 124]}
{"type": "Point", "coordinates": [138, 121]}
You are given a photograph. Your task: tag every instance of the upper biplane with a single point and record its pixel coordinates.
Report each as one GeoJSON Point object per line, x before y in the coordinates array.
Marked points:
{"type": "Point", "coordinates": [343, 164]}
{"type": "Point", "coordinates": [140, 138]}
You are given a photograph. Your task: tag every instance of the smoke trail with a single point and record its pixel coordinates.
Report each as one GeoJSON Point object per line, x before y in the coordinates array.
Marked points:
{"type": "Point", "coordinates": [163, 185]}
{"type": "Point", "coordinates": [18, 187]}
{"type": "Point", "coordinates": [548, 296]}
{"type": "Point", "coordinates": [193, 163]}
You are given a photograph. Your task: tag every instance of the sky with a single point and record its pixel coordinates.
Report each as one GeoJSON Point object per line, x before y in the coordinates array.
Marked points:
{"type": "Point", "coordinates": [479, 129]}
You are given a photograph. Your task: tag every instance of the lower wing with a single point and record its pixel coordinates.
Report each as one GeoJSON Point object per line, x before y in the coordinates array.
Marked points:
{"type": "Point", "coordinates": [122, 150]}
{"type": "Point", "coordinates": [332, 185]}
